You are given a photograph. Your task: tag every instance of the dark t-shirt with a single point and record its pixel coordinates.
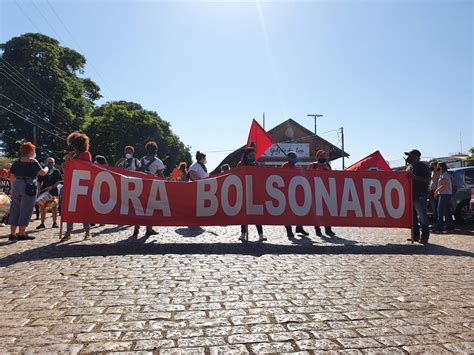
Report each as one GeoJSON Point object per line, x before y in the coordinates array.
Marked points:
{"type": "Point", "coordinates": [50, 179]}
{"type": "Point", "coordinates": [420, 188]}
{"type": "Point", "coordinates": [25, 169]}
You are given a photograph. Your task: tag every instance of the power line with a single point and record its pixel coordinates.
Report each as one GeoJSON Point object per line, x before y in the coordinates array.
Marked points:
{"type": "Point", "coordinates": [9, 70]}
{"type": "Point", "coordinates": [77, 44]}
{"type": "Point", "coordinates": [32, 122]}
{"type": "Point", "coordinates": [27, 16]}
{"type": "Point", "coordinates": [44, 18]}
{"type": "Point", "coordinates": [34, 95]}
{"type": "Point", "coordinates": [34, 113]}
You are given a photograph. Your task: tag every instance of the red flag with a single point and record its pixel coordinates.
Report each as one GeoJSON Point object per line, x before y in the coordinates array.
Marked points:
{"type": "Point", "coordinates": [260, 139]}
{"type": "Point", "coordinates": [374, 161]}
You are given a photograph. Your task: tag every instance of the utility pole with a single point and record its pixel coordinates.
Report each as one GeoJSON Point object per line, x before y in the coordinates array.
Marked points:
{"type": "Point", "coordinates": [342, 144]}
{"type": "Point", "coordinates": [316, 116]}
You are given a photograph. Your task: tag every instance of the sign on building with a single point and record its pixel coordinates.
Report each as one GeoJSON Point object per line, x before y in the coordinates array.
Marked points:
{"type": "Point", "coordinates": [301, 150]}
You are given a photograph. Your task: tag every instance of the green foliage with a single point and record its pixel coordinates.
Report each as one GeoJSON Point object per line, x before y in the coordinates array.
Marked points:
{"type": "Point", "coordinates": [5, 162]}
{"type": "Point", "coordinates": [114, 125]}
{"type": "Point", "coordinates": [65, 98]}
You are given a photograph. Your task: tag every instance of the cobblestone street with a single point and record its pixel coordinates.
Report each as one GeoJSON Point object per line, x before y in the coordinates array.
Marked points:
{"type": "Point", "coordinates": [199, 290]}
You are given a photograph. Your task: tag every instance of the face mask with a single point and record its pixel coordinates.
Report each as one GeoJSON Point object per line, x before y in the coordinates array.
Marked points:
{"type": "Point", "coordinates": [129, 156]}
{"type": "Point", "coordinates": [322, 160]}
{"type": "Point", "coordinates": [293, 160]}
{"type": "Point", "coordinates": [50, 165]}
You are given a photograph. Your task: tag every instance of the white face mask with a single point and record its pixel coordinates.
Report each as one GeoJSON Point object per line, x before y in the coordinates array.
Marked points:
{"type": "Point", "coordinates": [128, 155]}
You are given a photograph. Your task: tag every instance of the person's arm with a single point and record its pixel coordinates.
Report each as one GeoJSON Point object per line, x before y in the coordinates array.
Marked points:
{"type": "Point", "coordinates": [119, 162]}
{"type": "Point", "coordinates": [160, 173]}
{"type": "Point", "coordinates": [42, 171]}
{"type": "Point", "coordinates": [441, 187]}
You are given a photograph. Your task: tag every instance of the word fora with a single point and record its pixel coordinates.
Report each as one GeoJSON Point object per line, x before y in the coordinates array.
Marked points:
{"type": "Point", "coordinates": [233, 195]}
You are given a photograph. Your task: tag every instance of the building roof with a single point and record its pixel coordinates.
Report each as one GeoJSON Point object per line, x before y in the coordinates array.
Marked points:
{"type": "Point", "coordinates": [334, 152]}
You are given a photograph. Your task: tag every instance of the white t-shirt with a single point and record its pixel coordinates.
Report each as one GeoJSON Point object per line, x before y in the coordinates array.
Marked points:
{"type": "Point", "coordinates": [153, 167]}
{"type": "Point", "coordinates": [196, 167]}
{"type": "Point", "coordinates": [449, 188]}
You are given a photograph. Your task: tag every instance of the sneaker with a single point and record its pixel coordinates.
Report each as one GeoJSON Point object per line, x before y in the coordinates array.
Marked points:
{"type": "Point", "coordinates": [12, 238]}
{"type": "Point", "coordinates": [55, 225]}
{"type": "Point", "coordinates": [290, 235]}
{"type": "Point", "coordinates": [318, 231]}
{"type": "Point", "coordinates": [243, 237]}
{"type": "Point", "coordinates": [25, 237]}
{"type": "Point", "coordinates": [424, 241]}
{"type": "Point", "coordinates": [261, 238]}
{"type": "Point", "coordinates": [41, 226]}
{"type": "Point", "coordinates": [136, 231]}
{"type": "Point", "coordinates": [66, 236]}
{"type": "Point", "coordinates": [300, 230]}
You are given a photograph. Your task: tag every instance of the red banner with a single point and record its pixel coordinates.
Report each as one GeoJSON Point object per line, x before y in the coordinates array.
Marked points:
{"type": "Point", "coordinates": [246, 195]}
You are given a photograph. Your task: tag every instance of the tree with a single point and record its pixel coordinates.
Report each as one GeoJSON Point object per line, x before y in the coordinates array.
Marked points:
{"type": "Point", "coordinates": [114, 125]}
{"type": "Point", "coordinates": [39, 85]}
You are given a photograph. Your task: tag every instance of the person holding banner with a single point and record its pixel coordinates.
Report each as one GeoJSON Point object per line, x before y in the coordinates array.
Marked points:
{"type": "Point", "coordinates": [49, 184]}
{"type": "Point", "coordinates": [291, 164]}
{"type": "Point", "coordinates": [322, 164]}
{"type": "Point", "coordinates": [248, 159]}
{"type": "Point", "coordinates": [78, 144]}
{"type": "Point", "coordinates": [129, 162]}
{"type": "Point", "coordinates": [421, 177]}
{"type": "Point", "coordinates": [198, 170]}
{"type": "Point", "coordinates": [24, 172]}
{"type": "Point", "coordinates": [150, 164]}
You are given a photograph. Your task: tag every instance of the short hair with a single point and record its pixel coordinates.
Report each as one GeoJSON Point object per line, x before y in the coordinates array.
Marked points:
{"type": "Point", "coordinates": [27, 148]}
{"type": "Point", "coordinates": [292, 155]}
{"type": "Point", "coordinates": [51, 158]}
{"type": "Point", "coordinates": [200, 156]}
{"type": "Point", "coordinates": [151, 147]}
{"type": "Point", "coordinates": [225, 167]}
{"type": "Point", "coordinates": [129, 147]}
{"type": "Point", "coordinates": [443, 166]}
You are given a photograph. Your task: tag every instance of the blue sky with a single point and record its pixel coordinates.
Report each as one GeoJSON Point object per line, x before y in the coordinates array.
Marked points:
{"type": "Point", "coordinates": [394, 74]}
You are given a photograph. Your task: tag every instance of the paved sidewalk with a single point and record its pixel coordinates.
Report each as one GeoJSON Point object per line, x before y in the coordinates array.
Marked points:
{"type": "Point", "coordinates": [199, 290]}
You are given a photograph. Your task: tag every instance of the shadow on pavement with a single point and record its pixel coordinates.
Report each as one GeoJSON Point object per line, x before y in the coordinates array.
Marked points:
{"type": "Point", "coordinates": [190, 232]}
{"type": "Point", "coordinates": [134, 246]}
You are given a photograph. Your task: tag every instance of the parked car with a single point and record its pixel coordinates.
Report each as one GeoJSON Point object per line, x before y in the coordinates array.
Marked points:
{"type": "Point", "coordinates": [462, 201]}
{"type": "Point", "coordinates": [463, 183]}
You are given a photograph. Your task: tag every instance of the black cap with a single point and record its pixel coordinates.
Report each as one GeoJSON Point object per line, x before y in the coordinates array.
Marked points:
{"type": "Point", "coordinates": [414, 152]}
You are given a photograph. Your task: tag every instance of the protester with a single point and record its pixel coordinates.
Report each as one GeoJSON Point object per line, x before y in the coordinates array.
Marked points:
{"type": "Point", "coordinates": [183, 170]}
{"type": "Point", "coordinates": [421, 176]}
{"type": "Point", "coordinates": [78, 144]}
{"type": "Point", "coordinates": [292, 159]}
{"type": "Point", "coordinates": [198, 170]}
{"type": "Point", "coordinates": [435, 174]}
{"type": "Point", "coordinates": [443, 194]}
{"type": "Point", "coordinates": [129, 162]}
{"type": "Point", "coordinates": [248, 159]}
{"type": "Point", "coordinates": [322, 164]}
{"type": "Point", "coordinates": [225, 167]}
{"type": "Point", "coordinates": [24, 172]}
{"type": "Point", "coordinates": [101, 160]}
{"type": "Point", "coordinates": [150, 164]}
{"type": "Point", "coordinates": [49, 183]}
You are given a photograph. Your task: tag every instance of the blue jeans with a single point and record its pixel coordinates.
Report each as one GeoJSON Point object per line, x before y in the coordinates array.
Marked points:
{"type": "Point", "coordinates": [420, 216]}
{"type": "Point", "coordinates": [434, 207]}
{"type": "Point", "coordinates": [444, 210]}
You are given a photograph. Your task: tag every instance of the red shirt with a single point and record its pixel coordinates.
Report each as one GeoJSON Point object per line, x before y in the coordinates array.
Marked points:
{"type": "Point", "coordinates": [79, 156]}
